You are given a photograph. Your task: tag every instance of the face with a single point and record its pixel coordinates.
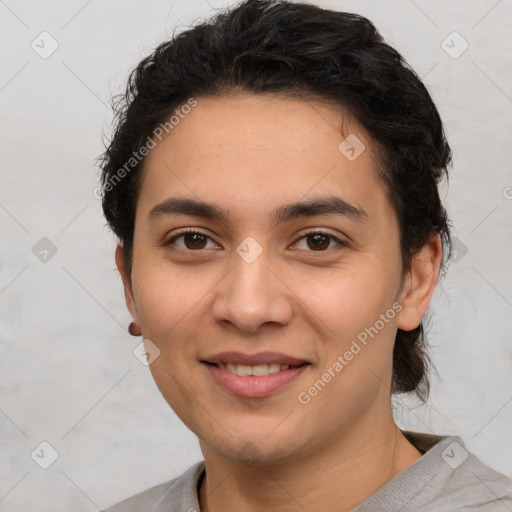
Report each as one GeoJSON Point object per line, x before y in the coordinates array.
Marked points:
{"type": "Point", "coordinates": [263, 283]}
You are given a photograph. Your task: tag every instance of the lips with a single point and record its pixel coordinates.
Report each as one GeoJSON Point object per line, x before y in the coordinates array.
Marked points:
{"type": "Point", "coordinates": [254, 375]}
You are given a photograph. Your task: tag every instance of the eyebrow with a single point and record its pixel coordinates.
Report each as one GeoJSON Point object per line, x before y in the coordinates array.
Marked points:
{"type": "Point", "coordinates": [309, 208]}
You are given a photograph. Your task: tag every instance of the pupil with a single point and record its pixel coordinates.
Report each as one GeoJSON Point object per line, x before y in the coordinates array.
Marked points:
{"type": "Point", "coordinates": [320, 241]}
{"type": "Point", "coordinates": [197, 239]}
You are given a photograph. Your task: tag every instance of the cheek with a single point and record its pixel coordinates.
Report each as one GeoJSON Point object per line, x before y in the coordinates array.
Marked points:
{"type": "Point", "coordinates": [352, 299]}
{"type": "Point", "coordinates": [170, 305]}
{"type": "Point", "coordinates": [358, 349]}
{"type": "Point", "coordinates": [352, 307]}
{"type": "Point", "coordinates": [165, 295]}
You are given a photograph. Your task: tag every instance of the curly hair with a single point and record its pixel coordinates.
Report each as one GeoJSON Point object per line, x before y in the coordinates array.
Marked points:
{"type": "Point", "coordinates": [306, 52]}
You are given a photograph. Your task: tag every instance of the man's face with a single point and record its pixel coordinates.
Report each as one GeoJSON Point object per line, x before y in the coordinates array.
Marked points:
{"type": "Point", "coordinates": [251, 285]}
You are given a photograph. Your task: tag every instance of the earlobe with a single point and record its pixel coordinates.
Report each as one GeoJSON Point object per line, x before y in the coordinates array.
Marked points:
{"type": "Point", "coordinates": [128, 292]}
{"type": "Point", "coordinates": [420, 284]}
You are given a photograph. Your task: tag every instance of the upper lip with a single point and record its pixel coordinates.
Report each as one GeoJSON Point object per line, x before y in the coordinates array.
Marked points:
{"type": "Point", "coordinates": [254, 359]}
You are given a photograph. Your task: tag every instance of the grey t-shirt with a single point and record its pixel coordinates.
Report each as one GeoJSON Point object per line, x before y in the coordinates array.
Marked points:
{"type": "Point", "coordinates": [446, 478]}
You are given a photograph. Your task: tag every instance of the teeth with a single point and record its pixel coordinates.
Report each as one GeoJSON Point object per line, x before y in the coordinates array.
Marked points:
{"type": "Point", "coordinates": [259, 370]}
{"type": "Point", "coordinates": [243, 370]}
{"type": "Point", "coordinates": [274, 368]}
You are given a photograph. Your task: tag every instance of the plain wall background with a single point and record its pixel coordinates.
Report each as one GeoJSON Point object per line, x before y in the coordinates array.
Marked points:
{"type": "Point", "coordinates": [68, 373]}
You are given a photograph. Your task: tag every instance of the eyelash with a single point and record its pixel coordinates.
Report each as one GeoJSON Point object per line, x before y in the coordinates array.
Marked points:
{"type": "Point", "coordinates": [195, 231]}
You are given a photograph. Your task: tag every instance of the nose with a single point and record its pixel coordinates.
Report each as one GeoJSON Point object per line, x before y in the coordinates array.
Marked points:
{"type": "Point", "coordinates": [251, 295]}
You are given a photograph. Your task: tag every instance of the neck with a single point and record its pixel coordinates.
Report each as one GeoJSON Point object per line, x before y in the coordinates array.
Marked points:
{"type": "Point", "coordinates": [336, 476]}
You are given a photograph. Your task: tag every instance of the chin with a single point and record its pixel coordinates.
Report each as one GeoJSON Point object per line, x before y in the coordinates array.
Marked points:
{"type": "Point", "coordinates": [270, 445]}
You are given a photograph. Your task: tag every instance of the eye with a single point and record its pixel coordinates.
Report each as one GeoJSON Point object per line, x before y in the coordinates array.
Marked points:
{"type": "Point", "coordinates": [194, 240]}
{"type": "Point", "coordinates": [319, 241]}
{"type": "Point", "coordinates": [191, 240]}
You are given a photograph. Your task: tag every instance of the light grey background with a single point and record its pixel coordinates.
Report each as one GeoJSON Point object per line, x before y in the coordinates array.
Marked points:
{"type": "Point", "coordinates": [68, 373]}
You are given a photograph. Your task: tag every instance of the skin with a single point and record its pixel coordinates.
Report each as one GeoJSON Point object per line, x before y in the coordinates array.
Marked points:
{"type": "Point", "coordinates": [250, 154]}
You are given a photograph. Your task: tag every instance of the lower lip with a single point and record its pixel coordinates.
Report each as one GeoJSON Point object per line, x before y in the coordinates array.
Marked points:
{"type": "Point", "coordinates": [252, 386]}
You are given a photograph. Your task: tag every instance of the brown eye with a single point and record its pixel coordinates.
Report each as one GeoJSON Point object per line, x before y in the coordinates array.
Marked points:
{"type": "Point", "coordinates": [318, 242]}
{"type": "Point", "coordinates": [190, 241]}
{"type": "Point", "coordinates": [194, 241]}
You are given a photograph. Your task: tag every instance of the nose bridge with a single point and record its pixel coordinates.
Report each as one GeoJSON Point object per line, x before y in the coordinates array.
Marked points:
{"type": "Point", "coordinates": [251, 295]}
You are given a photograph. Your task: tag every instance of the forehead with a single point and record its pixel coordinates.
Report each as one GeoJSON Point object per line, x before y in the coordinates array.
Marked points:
{"type": "Point", "coordinates": [254, 152]}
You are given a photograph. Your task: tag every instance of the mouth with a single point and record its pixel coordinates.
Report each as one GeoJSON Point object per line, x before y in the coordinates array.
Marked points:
{"type": "Point", "coordinates": [256, 375]}
{"type": "Point", "coordinates": [258, 370]}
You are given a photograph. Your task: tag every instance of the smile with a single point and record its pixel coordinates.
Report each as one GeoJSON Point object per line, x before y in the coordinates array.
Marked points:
{"type": "Point", "coordinates": [259, 370]}
{"type": "Point", "coordinates": [254, 381]}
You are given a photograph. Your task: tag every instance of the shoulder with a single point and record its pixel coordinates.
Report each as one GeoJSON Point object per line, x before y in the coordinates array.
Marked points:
{"type": "Point", "coordinates": [472, 486]}
{"type": "Point", "coordinates": [176, 495]}
{"type": "Point", "coordinates": [142, 501]}
{"type": "Point", "coordinates": [460, 480]}
{"type": "Point", "coordinates": [447, 478]}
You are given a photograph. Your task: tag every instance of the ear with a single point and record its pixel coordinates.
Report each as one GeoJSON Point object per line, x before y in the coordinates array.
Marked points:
{"type": "Point", "coordinates": [127, 283]}
{"type": "Point", "coordinates": [419, 284]}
